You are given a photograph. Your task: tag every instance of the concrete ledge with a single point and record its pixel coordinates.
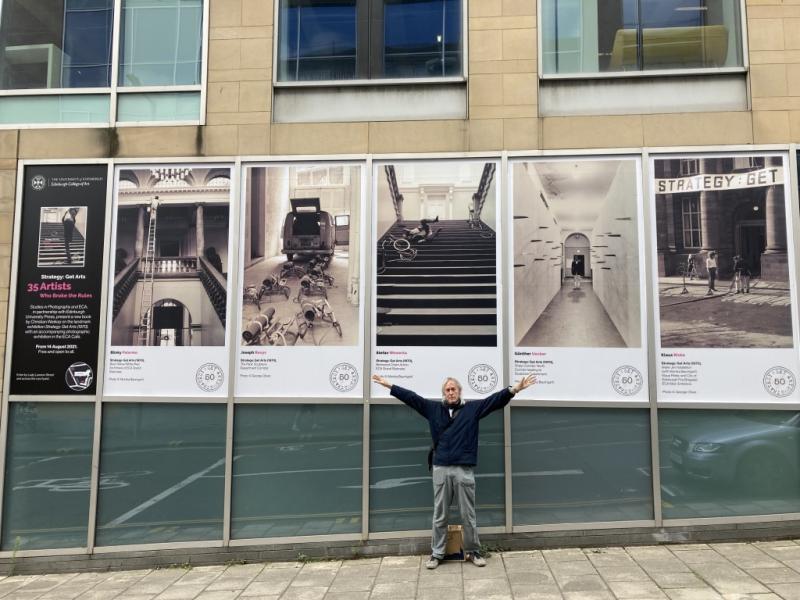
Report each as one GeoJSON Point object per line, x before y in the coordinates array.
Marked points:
{"type": "Point", "coordinates": [640, 536]}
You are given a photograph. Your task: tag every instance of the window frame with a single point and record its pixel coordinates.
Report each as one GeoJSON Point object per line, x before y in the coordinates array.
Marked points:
{"type": "Point", "coordinates": [686, 211]}
{"type": "Point", "coordinates": [744, 68]}
{"type": "Point", "coordinates": [114, 90]}
{"type": "Point", "coordinates": [365, 8]}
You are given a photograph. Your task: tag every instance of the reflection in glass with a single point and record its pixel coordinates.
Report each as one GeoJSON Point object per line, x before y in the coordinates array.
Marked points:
{"type": "Point", "coordinates": [729, 463]}
{"type": "Point", "coordinates": [574, 465]}
{"type": "Point", "coordinates": [162, 473]}
{"type": "Point", "coordinates": [296, 470]}
{"type": "Point", "coordinates": [160, 106]}
{"type": "Point", "coordinates": [639, 35]}
{"type": "Point", "coordinates": [69, 108]}
{"type": "Point", "coordinates": [48, 469]}
{"type": "Point", "coordinates": [161, 42]}
{"type": "Point", "coordinates": [401, 493]}
{"type": "Point", "coordinates": [55, 44]}
{"type": "Point", "coordinates": [317, 40]}
{"type": "Point", "coordinates": [422, 38]}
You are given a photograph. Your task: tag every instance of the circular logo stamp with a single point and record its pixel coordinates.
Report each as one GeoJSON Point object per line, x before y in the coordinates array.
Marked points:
{"type": "Point", "coordinates": [779, 381]}
{"type": "Point", "coordinates": [627, 380]}
{"type": "Point", "coordinates": [38, 182]}
{"type": "Point", "coordinates": [79, 376]}
{"type": "Point", "coordinates": [209, 377]}
{"type": "Point", "coordinates": [482, 378]}
{"type": "Point", "coordinates": [344, 377]}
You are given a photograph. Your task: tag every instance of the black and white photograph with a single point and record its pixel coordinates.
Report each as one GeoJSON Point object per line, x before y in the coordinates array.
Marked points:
{"type": "Point", "coordinates": [576, 254]}
{"type": "Point", "coordinates": [62, 236]}
{"type": "Point", "coordinates": [171, 256]}
{"type": "Point", "coordinates": [723, 252]}
{"type": "Point", "coordinates": [436, 254]}
{"type": "Point", "coordinates": [301, 280]}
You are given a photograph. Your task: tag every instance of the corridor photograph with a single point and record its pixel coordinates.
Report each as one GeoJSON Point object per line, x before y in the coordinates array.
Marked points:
{"type": "Point", "coordinates": [436, 254]}
{"type": "Point", "coordinates": [576, 259]}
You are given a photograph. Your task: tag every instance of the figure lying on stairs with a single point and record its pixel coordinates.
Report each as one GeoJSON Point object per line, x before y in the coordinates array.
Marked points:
{"type": "Point", "coordinates": [423, 233]}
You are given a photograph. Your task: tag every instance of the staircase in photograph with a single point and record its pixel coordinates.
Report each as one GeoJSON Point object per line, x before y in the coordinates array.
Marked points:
{"type": "Point", "coordinates": [52, 251]}
{"type": "Point", "coordinates": [446, 295]}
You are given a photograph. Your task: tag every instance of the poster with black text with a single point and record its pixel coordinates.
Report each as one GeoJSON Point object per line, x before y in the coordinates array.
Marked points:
{"type": "Point", "coordinates": [59, 283]}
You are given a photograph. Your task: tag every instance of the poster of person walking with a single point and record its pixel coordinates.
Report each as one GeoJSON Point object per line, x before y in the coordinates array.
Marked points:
{"type": "Point", "coordinates": [726, 327]}
{"type": "Point", "coordinates": [168, 319]}
{"type": "Point", "coordinates": [437, 308]}
{"type": "Point", "coordinates": [577, 280]}
{"type": "Point", "coordinates": [301, 281]}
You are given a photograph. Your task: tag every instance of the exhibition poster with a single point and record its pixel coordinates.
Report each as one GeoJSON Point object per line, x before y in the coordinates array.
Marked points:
{"type": "Point", "coordinates": [168, 309]}
{"type": "Point", "coordinates": [725, 318]}
{"type": "Point", "coordinates": [59, 280]}
{"type": "Point", "coordinates": [576, 279]}
{"type": "Point", "coordinates": [436, 291]}
{"type": "Point", "coordinates": [301, 293]}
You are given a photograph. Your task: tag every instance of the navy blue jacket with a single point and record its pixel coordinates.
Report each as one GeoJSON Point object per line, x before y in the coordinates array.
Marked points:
{"type": "Point", "coordinates": [459, 444]}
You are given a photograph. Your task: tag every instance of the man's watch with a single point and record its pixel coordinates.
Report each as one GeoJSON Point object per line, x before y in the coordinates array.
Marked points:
{"type": "Point", "coordinates": [512, 390]}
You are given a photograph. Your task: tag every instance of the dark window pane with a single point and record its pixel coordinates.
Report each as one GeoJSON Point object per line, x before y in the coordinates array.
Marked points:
{"type": "Point", "coordinates": [422, 38]}
{"type": "Point", "coordinates": [162, 473]}
{"type": "Point", "coordinates": [55, 43]}
{"type": "Point", "coordinates": [48, 469]}
{"type": "Point", "coordinates": [573, 465]}
{"type": "Point", "coordinates": [401, 491]}
{"type": "Point", "coordinates": [317, 40]}
{"type": "Point", "coordinates": [725, 463]}
{"type": "Point", "coordinates": [297, 470]}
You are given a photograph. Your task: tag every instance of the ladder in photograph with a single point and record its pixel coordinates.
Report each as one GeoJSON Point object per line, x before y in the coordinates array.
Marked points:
{"type": "Point", "coordinates": [148, 276]}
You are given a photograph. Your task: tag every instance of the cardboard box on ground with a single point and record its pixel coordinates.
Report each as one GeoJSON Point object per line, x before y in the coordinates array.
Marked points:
{"type": "Point", "coordinates": [454, 549]}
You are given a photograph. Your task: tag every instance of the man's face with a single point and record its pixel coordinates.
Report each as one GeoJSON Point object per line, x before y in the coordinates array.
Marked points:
{"type": "Point", "coordinates": [451, 393]}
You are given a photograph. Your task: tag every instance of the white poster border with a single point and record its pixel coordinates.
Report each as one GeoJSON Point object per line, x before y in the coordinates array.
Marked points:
{"type": "Point", "coordinates": [432, 364]}
{"type": "Point", "coordinates": [606, 374]}
{"type": "Point", "coordinates": [738, 375]}
{"type": "Point", "coordinates": [331, 372]}
{"type": "Point", "coordinates": [170, 371]}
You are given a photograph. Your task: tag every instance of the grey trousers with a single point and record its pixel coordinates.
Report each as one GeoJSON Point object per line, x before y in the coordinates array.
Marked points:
{"type": "Point", "coordinates": [448, 483]}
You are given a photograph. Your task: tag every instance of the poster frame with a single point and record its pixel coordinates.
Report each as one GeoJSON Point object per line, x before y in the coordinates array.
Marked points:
{"type": "Point", "coordinates": [791, 178]}
{"type": "Point", "coordinates": [360, 161]}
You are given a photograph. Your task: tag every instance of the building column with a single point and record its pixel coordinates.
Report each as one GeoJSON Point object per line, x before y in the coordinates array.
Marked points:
{"type": "Point", "coordinates": [138, 249]}
{"type": "Point", "coordinates": [200, 230]}
{"type": "Point", "coordinates": [775, 260]}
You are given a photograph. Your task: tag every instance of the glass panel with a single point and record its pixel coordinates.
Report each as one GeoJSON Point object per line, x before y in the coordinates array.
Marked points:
{"type": "Point", "coordinates": [725, 463]}
{"type": "Point", "coordinates": [580, 36]}
{"type": "Point", "coordinates": [54, 109]}
{"type": "Point", "coordinates": [574, 465]}
{"type": "Point", "coordinates": [168, 465]}
{"type": "Point", "coordinates": [422, 38]}
{"type": "Point", "coordinates": [55, 43]}
{"type": "Point", "coordinates": [317, 40]}
{"type": "Point", "coordinates": [401, 492]}
{"type": "Point", "coordinates": [48, 468]}
{"type": "Point", "coordinates": [183, 106]}
{"type": "Point", "coordinates": [161, 42]}
{"type": "Point", "coordinates": [297, 470]}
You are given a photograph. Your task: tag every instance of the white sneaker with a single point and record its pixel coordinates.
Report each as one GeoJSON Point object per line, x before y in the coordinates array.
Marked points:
{"type": "Point", "coordinates": [432, 563]}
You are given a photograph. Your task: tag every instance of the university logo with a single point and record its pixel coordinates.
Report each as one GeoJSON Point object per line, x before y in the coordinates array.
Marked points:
{"type": "Point", "coordinates": [209, 377]}
{"type": "Point", "coordinates": [38, 182]}
{"type": "Point", "coordinates": [627, 380]}
{"type": "Point", "coordinates": [343, 377]}
{"type": "Point", "coordinates": [482, 378]}
{"type": "Point", "coordinates": [779, 381]}
{"type": "Point", "coordinates": [79, 376]}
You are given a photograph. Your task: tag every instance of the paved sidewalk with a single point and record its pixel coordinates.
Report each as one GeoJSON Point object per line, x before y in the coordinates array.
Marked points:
{"type": "Point", "coordinates": [767, 571]}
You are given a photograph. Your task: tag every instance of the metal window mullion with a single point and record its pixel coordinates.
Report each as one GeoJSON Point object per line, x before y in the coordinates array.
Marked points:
{"type": "Point", "coordinates": [94, 475]}
{"type": "Point", "coordinates": [116, 41]}
{"type": "Point", "coordinates": [505, 253]}
{"type": "Point", "coordinates": [652, 360]}
{"type": "Point", "coordinates": [232, 317]}
{"type": "Point", "coordinates": [204, 61]}
{"type": "Point", "coordinates": [364, 37]}
{"type": "Point", "coordinates": [367, 234]}
{"type": "Point", "coordinates": [12, 301]}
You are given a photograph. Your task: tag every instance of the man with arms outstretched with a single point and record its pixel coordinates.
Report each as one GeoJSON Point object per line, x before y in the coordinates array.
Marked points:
{"type": "Point", "coordinates": [454, 429]}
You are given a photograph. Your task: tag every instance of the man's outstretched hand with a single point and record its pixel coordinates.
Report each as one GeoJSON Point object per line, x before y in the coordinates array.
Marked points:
{"type": "Point", "coordinates": [526, 381]}
{"type": "Point", "coordinates": [381, 381]}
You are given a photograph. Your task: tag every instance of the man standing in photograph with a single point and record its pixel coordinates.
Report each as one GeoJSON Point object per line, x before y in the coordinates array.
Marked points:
{"type": "Point", "coordinates": [68, 221]}
{"type": "Point", "coordinates": [454, 428]}
{"type": "Point", "coordinates": [711, 266]}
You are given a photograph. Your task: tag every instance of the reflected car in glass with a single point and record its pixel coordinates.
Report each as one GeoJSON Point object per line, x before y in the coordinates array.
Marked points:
{"type": "Point", "coordinates": [756, 449]}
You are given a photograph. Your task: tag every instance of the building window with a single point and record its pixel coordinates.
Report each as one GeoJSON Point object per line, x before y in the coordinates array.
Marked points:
{"type": "Point", "coordinates": [50, 46]}
{"type": "Point", "coordinates": [691, 223]}
{"type": "Point", "coordinates": [585, 37]}
{"type": "Point", "coordinates": [323, 40]}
